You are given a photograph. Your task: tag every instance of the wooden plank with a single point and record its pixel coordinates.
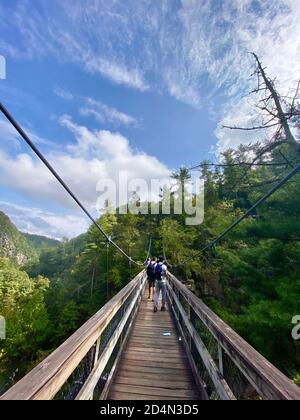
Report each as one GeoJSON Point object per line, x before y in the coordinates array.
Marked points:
{"type": "Point", "coordinates": [159, 374]}
{"type": "Point", "coordinates": [135, 355]}
{"type": "Point", "coordinates": [153, 332]}
{"type": "Point", "coordinates": [123, 396]}
{"type": "Point", "coordinates": [154, 391]}
{"type": "Point", "coordinates": [154, 382]}
{"type": "Point", "coordinates": [150, 345]}
{"type": "Point", "coordinates": [157, 326]}
{"type": "Point", "coordinates": [163, 324]}
{"type": "Point", "coordinates": [155, 342]}
{"type": "Point", "coordinates": [159, 318]}
{"type": "Point", "coordinates": [158, 336]}
{"type": "Point", "coordinates": [159, 352]}
{"type": "Point", "coordinates": [169, 371]}
{"type": "Point", "coordinates": [157, 363]}
{"type": "Point", "coordinates": [160, 340]}
{"type": "Point", "coordinates": [155, 339]}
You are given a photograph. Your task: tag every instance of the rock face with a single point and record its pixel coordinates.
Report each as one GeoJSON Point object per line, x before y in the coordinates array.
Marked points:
{"type": "Point", "coordinates": [12, 243]}
{"type": "Point", "coordinates": [9, 249]}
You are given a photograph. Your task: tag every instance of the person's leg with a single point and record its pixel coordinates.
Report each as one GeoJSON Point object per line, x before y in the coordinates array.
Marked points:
{"type": "Point", "coordinates": [164, 295]}
{"type": "Point", "coordinates": [149, 284]}
{"type": "Point", "coordinates": [156, 296]}
{"type": "Point", "coordinates": [153, 291]}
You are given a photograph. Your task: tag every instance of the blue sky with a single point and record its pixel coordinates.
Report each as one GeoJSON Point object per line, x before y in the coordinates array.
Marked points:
{"type": "Point", "coordinates": [142, 86]}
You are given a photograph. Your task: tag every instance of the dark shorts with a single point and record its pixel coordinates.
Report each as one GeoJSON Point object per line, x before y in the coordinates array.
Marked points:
{"type": "Point", "coordinates": [151, 282]}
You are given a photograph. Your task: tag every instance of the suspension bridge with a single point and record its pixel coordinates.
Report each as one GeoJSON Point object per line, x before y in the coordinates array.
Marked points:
{"type": "Point", "coordinates": [128, 352]}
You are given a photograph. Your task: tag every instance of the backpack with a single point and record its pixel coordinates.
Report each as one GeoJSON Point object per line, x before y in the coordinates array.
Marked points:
{"type": "Point", "coordinates": [158, 271]}
{"type": "Point", "coordinates": [151, 270]}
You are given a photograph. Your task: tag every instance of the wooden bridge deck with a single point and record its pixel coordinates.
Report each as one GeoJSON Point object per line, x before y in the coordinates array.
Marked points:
{"type": "Point", "coordinates": [153, 366]}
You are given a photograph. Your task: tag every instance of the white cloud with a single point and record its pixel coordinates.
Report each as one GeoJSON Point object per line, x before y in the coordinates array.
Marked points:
{"type": "Point", "coordinates": [117, 73]}
{"type": "Point", "coordinates": [102, 112]}
{"type": "Point", "coordinates": [180, 91]}
{"type": "Point", "coordinates": [95, 155]}
{"type": "Point", "coordinates": [39, 222]}
{"type": "Point", "coordinates": [62, 93]}
{"type": "Point", "coordinates": [105, 113]}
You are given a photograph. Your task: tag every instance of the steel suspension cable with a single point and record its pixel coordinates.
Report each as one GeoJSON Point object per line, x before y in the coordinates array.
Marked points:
{"type": "Point", "coordinates": [211, 244]}
{"type": "Point", "coordinates": [60, 180]}
{"type": "Point", "coordinates": [149, 248]}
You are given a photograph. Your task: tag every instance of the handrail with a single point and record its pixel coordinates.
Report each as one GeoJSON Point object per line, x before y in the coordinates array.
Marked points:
{"type": "Point", "coordinates": [267, 380]}
{"type": "Point", "coordinates": [46, 379]}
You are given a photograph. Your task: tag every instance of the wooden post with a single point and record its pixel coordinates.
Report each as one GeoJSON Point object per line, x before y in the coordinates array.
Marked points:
{"type": "Point", "coordinates": [192, 318]}
{"type": "Point", "coordinates": [221, 365]}
{"type": "Point", "coordinates": [97, 350]}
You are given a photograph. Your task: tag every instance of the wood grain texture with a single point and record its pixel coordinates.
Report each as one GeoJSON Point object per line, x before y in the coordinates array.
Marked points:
{"type": "Point", "coordinates": [153, 365]}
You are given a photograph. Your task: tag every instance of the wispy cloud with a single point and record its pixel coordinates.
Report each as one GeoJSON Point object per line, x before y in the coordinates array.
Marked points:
{"type": "Point", "coordinates": [194, 50]}
{"type": "Point", "coordinates": [117, 73]}
{"type": "Point", "coordinates": [11, 137]}
{"type": "Point", "coordinates": [62, 93]}
{"type": "Point", "coordinates": [102, 112]}
{"type": "Point", "coordinates": [105, 113]}
{"type": "Point", "coordinates": [67, 37]}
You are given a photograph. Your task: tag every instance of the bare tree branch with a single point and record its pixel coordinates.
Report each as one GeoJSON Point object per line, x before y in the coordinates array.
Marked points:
{"type": "Point", "coordinates": [250, 128]}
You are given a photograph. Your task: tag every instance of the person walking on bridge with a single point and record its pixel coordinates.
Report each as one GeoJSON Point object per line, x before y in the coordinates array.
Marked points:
{"type": "Point", "coordinates": [151, 277]}
{"type": "Point", "coordinates": [160, 284]}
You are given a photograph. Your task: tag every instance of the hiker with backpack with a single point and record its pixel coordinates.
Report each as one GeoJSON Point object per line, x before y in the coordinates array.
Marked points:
{"type": "Point", "coordinates": [160, 284]}
{"type": "Point", "coordinates": [151, 277]}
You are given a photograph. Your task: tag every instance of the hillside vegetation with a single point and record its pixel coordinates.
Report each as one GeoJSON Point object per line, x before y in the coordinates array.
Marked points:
{"type": "Point", "coordinates": [40, 243]}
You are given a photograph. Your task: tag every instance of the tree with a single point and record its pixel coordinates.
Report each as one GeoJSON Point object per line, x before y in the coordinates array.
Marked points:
{"type": "Point", "coordinates": [22, 303]}
{"type": "Point", "coordinates": [276, 111]}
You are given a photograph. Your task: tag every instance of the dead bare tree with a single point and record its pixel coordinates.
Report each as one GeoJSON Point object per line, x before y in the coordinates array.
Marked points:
{"type": "Point", "coordinates": [277, 112]}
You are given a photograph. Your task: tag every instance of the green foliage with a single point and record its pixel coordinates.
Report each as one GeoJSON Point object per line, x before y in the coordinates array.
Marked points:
{"type": "Point", "coordinates": [23, 306]}
{"type": "Point", "coordinates": [40, 243]}
{"type": "Point", "coordinates": [297, 380]}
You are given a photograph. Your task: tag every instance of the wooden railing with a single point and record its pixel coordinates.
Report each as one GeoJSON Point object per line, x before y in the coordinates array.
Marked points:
{"type": "Point", "coordinates": [224, 364]}
{"type": "Point", "coordinates": [86, 362]}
